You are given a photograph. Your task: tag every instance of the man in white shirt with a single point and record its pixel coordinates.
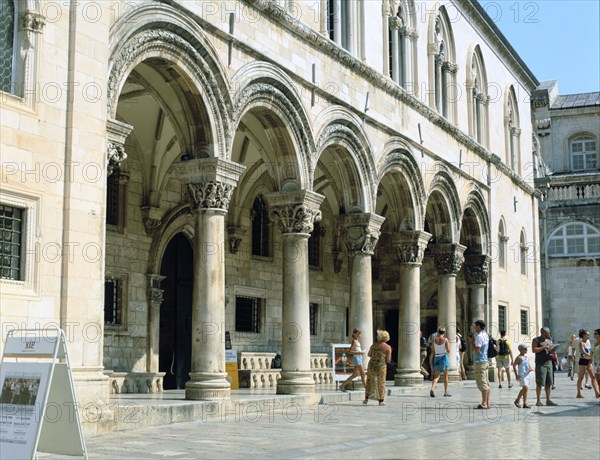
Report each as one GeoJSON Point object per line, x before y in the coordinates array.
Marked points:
{"type": "Point", "coordinates": [482, 364]}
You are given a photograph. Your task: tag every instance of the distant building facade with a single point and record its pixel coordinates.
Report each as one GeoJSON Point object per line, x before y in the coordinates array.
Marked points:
{"type": "Point", "coordinates": [282, 171]}
{"type": "Point", "coordinates": [568, 130]}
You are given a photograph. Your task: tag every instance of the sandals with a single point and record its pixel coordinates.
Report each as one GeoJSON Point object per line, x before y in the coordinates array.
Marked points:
{"type": "Point", "coordinates": [431, 393]}
{"type": "Point", "coordinates": [481, 407]}
{"type": "Point", "coordinates": [381, 403]}
{"type": "Point", "coordinates": [519, 405]}
{"type": "Point", "coordinates": [365, 401]}
{"type": "Point", "coordinates": [526, 406]}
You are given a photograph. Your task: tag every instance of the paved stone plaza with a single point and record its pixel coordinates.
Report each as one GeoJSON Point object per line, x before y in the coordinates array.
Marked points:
{"type": "Point", "coordinates": [410, 426]}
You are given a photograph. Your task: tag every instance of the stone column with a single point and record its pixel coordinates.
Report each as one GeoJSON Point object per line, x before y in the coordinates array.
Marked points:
{"type": "Point", "coordinates": [476, 274]}
{"type": "Point", "coordinates": [410, 247]}
{"type": "Point", "coordinates": [295, 212]}
{"type": "Point", "coordinates": [360, 233]}
{"type": "Point", "coordinates": [448, 259]}
{"type": "Point", "coordinates": [210, 183]}
{"type": "Point", "coordinates": [155, 300]}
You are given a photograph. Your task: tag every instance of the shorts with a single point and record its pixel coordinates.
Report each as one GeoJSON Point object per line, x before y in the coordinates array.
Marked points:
{"type": "Point", "coordinates": [524, 381]}
{"type": "Point", "coordinates": [584, 362]}
{"type": "Point", "coordinates": [543, 374]}
{"type": "Point", "coordinates": [441, 363]}
{"type": "Point", "coordinates": [503, 361]}
{"type": "Point", "coordinates": [357, 360]}
{"type": "Point", "coordinates": [481, 376]}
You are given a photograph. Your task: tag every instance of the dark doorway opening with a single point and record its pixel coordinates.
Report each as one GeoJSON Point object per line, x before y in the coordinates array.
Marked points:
{"type": "Point", "coordinates": [175, 350]}
{"type": "Point", "coordinates": [391, 325]}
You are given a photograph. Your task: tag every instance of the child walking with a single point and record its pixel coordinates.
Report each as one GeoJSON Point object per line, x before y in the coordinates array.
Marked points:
{"type": "Point", "coordinates": [522, 369]}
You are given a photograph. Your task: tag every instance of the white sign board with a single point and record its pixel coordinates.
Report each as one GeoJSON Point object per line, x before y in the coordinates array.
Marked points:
{"type": "Point", "coordinates": [38, 411]}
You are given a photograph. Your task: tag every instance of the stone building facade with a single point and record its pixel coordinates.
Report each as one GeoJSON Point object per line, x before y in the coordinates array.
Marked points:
{"type": "Point", "coordinates": [281, 171]}
{"type": "Point", "coordinates": [567, 128]}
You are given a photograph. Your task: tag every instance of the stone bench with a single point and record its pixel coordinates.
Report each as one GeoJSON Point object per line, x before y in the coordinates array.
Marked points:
{"type": "Point", "coordinates": [256, 370]}
{"type": "Point", "coordinates": [135, 382]}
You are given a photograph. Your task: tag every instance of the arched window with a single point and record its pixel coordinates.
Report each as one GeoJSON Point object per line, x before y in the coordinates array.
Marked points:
{"type": "Point", "coordinates": [260, 228]}
{"type": "Point", "coordinates": [7, 45]}
{"type": "Point", "coordinates": [477, 98]}
{"type": "Point", "coordinates": [502, 239]}
{"type": "Point", "coordinates": [574, 239]}
{"type": "Point", "coordinates": [583, 153]}
{"type": "Point", "coordinates": [523, 253]}
{"type": "Point", "coordinates": [512, 131]}
{"type": "Point", "coordinates": [339, 22]}
{"type": "Point", "coordinates": [442, 65]}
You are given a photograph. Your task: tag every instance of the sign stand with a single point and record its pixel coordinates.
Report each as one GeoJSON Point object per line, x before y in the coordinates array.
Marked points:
{"type": "Point", "coordinates": [38, 410]}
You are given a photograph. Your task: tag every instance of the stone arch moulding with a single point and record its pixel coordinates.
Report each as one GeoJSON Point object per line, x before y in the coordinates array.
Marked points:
{"type": "Point", "coordinates": [339, 127]}
{"type": "Point", "coordinates": [190, 54]}
{"type": "Point", "coordinates": [442, 183]}
{"type": "Point", "coordinates": [475, 201]}
{"type": "Point", "coordinates": [178, 219]}
{"type": "Point", "coordinates": [263, 85]}
{"type": "Point", "coordinates": [396, 155]}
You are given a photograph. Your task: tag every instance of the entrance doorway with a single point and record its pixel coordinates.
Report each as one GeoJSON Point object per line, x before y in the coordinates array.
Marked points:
{"type": "Point", "coordinates": [175, 350]}
{"type": "Point", "coordinates": [391, 325]}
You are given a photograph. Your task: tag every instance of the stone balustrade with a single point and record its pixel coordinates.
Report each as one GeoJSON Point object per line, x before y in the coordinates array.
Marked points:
{"type": "Point", "coordinates": [135, 382]}
{"type": "Point", "coordinates": [573, 191]}
{"type": "Point", "coordinates": [256, 370]}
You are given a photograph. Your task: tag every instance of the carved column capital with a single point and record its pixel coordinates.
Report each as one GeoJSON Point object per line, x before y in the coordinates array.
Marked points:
{"type": "Point", "coordinates": [152, 218]}
{"type": "Point", "coordinates": [155, 293]}
{"type": "Point", "coordinates": [209, 181]}
{"type": "Point", "coordinates": [32, 22]}
{"type": "Point", "coordinates": [448, 258]}
{"type": "Point", "coordinates": [116, 133]}
{"type": "Point", "coordinates": [295, 211]}
{"type": "Point", "coordinates": [477, 267]}
{"type": "Point", "coordinates": [410, 246]}
{"type": "Point", "coordinates": [360, 232]}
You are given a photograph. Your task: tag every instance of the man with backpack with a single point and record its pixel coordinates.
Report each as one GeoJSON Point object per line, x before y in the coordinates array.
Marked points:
{"type": "Point", "coordinates": [504, 360]}
{"type": "Point", "coordinates": [482, 363]}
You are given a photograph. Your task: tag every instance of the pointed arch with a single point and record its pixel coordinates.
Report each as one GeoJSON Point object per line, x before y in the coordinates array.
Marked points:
{"type": "Point", "coordinates": [477, 96]}
{"type": "Point", "coordinates": [443, 210]}
{"type": "Point", "coordinates": [268, 92]}
{"type": "Point", "coordinates": [351, 161]}
{"type": "Point", "coordinates": [475, 227]}
{"type": "Point", "coordinates": [166, 38]}
{"type": "Point", "coordinates": [442, 64]}
{"type": "Point", "coordinates": [397, 162]}
{"type": "Point", "coordinates": [512, 130]}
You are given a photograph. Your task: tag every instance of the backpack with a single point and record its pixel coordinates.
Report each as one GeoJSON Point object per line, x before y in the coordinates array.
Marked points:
{"type": "Point", "coordinates": [463, 344]}
{"type": "Point", "coordinates": [492, 348]}
{"type": "Point", "coordinates": [503, 349]}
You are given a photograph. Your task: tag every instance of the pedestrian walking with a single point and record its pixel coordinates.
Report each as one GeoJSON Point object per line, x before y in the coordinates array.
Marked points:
{"type": "Point", "coordinates": [380, 354]}
{"type": "Point", "coordinates": [522, 370]}
{"type": "Point", "coordinates": [596, 358]}
{"type": "Point", "coordinates": [585, 363]}
{"type": "Point", "coordinates": [504, 360]}
{"type": "Point", "coordinates": [357, 358]}
{"type": "Point", "coordinates": [440, 350]}
{"type": "Point", "coordinates": [543, 348]}
{"type": "Point", "coordinates": [569, 355]}
{"type": "Point", "coordinates": [482, 363]}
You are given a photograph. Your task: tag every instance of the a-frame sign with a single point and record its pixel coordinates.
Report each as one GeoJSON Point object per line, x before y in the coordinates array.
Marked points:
{"type": "Point", "coordinates": [38, 410]}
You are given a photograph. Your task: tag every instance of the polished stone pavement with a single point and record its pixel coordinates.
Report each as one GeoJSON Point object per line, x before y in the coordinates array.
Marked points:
{"type": "Point", "coordinates": [411, 425]}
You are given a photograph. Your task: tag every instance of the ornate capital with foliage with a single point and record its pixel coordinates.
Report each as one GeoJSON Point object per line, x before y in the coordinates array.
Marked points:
{"type": "Point", "coordinates": [116, 132]}
{"type": "Point", "coordinates": [295, 211]}
{"type": "Point", "coordinates": [477, 267]}
{"type": "Point", "coordinates": [410, 246]}
{"type": "Point", "coordinates": [448, 258]}
{"type": "Point", "coordinates": [360, 232]}
{"type": "Point", "coordinates": [210, 195]}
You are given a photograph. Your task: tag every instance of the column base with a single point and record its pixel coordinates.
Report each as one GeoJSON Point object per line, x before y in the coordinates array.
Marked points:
{"type": "Point", "coordinates": [295, 382]}
{"type": "Point", "coordinates": [207, 386]}
{"type": "Point", "coordinates": [453, 376]}
{"type": "Point", "coordinates": [408, 378]}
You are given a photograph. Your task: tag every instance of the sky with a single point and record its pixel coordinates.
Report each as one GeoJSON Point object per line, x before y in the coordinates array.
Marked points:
{"type": "Point", "coordinates": [557, 39]}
